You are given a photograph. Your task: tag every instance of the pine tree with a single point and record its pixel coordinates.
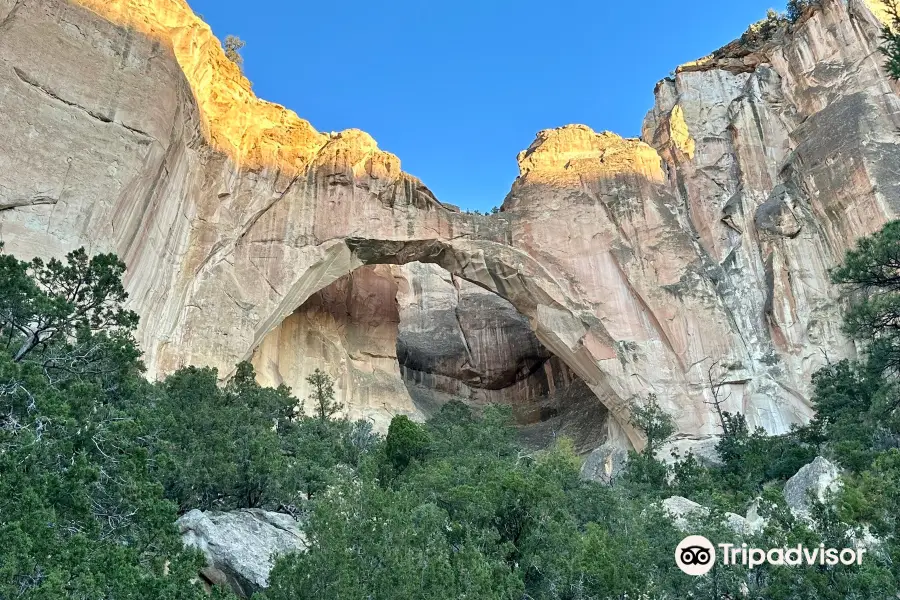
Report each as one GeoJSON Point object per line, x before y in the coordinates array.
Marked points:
{"type": "Point", "coordinates": [322, 395]}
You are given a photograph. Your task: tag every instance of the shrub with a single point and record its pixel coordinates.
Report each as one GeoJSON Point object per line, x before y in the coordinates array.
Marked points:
{"type": "Point", "coordinates": [796, 8]}
{"type": "Point", "coordinates": [763, 30]}
{"type": "Point", "coordinates": [233, 46]}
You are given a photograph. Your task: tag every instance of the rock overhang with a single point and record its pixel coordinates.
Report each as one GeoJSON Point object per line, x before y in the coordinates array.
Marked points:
{"type": "Point", "coordinates": [619, 251]}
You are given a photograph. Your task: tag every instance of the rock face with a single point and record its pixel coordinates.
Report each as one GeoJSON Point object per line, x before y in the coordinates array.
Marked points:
{"type": "Point", "coordinates": [420, 337]}
{"type": "Point", "coordinates": [683, 511]}
{"type": "Point", "coordinates": [349, 330]}
{"type": "Point", "coordinates": [816, 481]}
{"type": "Point", "coordinates": [459, 341]}
{"type": "Point", "coordinates": [702, 448]}
{"type": "Point", "coordinates": [636, 264]}
{"type": "Point", "coordinates": [240, 546]}
{"type": "Point", "coordinates": [604, 464]}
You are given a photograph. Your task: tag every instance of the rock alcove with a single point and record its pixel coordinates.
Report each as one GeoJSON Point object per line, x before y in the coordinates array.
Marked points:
{"type": "Point", "coordinates": [408, 339]}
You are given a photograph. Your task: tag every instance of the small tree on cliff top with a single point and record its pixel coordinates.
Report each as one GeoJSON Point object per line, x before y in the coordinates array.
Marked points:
{"type": "Point", "coordinates": [233, 46]}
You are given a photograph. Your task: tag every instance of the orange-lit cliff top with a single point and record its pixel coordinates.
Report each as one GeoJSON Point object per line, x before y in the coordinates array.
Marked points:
{"type": "Point", "coordinates": [565, 155]}
{"type": "Point", "coordinates": [251, 131]}
{"type": "Point", "coordinates": [256, 133]}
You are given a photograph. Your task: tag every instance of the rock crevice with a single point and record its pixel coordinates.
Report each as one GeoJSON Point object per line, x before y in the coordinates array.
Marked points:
{"type": "Point", "coordinates": [633, 262]}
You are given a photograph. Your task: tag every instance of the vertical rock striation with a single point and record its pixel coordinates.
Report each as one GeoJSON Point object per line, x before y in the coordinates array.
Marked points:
{"type": "Point", "coordinates": [694, 258]}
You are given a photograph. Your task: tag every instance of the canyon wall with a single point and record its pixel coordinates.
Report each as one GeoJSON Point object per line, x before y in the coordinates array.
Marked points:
{"type": "Point", "coordinates": [693, 259]}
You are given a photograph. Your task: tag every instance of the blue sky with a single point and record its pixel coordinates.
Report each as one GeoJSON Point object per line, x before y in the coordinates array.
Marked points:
{"type": "Point", "coordinates": [457, 89]}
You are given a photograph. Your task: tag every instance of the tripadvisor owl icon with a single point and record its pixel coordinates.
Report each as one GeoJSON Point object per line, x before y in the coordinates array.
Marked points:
{"type": "Point", "coordinates": [695, 555]}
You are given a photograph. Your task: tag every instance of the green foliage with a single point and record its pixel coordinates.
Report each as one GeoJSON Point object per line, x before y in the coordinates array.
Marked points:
{"type": "Point", "coordinates": [406, 441]}
{"type": "Point", "coordinates": [873, 496]}
{"type": "Point", "coordinates": [891, 40]}
{"type": "Point", "coordinates": [57, 310]}
{"type": "Point", "coordinates": [847, 414]}
{"type": "Point", "coordinates": [796, 9]}
{"type": "Point", "coordinates": [656, 425]}
{"type": "Point", "coordinates": [858, 402]}
{"type": "Point", "coordinates": [872, 273]}
{"type": "Point", "coordinates": [244, 446]}
{"type": "Point", "coordinates": [233, 47]}
{"type": "Point", "coordinates": [80, 517]}
{"type": "Point", "coordinates": [96, 463]}
{"type": "Point", "coordinates": [477, 517]}
{"type": "Point", "coordinates": [471, 517]}
{"type": "Point", "coordinates": [322, 395]}
{"type": "Point", "coordinates": [223, 444]}
{"type": "Point", "coordinates": [752, 460]}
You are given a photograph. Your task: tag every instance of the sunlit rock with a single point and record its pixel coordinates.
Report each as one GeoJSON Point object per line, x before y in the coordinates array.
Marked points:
{"type": "Point", "coordinates": [637, 264]}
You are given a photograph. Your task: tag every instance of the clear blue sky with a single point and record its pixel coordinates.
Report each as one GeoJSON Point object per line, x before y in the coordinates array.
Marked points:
{"type": "Point", "coordinates": [457, 89]}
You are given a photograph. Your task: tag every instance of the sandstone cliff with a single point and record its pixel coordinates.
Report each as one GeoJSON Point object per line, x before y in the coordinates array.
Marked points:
{"type": "Point", "coordinates": [637, 265]}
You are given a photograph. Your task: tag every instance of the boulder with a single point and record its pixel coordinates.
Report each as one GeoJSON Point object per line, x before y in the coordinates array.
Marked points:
{"type": "Point", "coordinates": [682, 511]}
{"type": "Point", "coordinates": [703, 448]}
{"type": "Point", "coordinates": [604, 464]}
{"type": "Point", "coordinates": [816, 480]}
{"type": "Point", "coordinates": [240, 546]}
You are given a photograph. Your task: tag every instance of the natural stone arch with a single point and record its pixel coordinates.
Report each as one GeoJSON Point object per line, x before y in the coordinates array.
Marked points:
{"type": "Point", "coordinates": [230, 211]}
{"type": "Point", "coordinates": [570, 331]}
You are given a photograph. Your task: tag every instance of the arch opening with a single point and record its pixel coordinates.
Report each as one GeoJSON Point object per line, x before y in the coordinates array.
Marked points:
{"type": "Point", "coordinates": [571, 332]}
{"type": "Point", "coordinates": [408, 339]}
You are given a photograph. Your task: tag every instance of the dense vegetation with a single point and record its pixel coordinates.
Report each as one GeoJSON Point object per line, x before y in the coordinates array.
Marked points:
{"type": "Point", "coordinates": [96, 463]}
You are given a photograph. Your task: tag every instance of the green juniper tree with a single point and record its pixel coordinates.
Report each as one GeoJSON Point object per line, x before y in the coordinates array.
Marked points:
{"type": "Point", "coordinates": [406, 442]}
{"type": "Point", "coordinates": [233, 47]}
{"type": "Point", "coordinates": [645, 471]}
{"type": "Point", "coordinates": [872, 273]}
{"type": "Point", "coordinates": [890, 36]}
{"type": "Point", "coordinates": [62, 304]}
{"type": "Point", "coordinates": [654, 422]}
{"type": "Point", "coordinates": [81, 515]}
{"type": "Point", "coordinates": [322, 395]}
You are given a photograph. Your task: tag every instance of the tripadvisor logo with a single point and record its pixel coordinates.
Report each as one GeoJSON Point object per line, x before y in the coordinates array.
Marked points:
{"type": "Point", "coordinates": [696, 555]}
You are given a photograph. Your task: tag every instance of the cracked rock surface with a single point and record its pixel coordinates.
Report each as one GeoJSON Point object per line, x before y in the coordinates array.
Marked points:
{"type": "Point", "coordinates": [635, 263]}
{"type": "Point", "coordinates": [240, 546]}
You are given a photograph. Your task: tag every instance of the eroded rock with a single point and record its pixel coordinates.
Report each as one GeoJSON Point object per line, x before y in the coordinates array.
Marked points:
{"type": "Point", "coordinates": [605, 464]}
{"type": "Point", "coordinates": [703, 450]}
{"type": "Point", "coordinates": [241, 546]}
{"type": "Point", "coordinates": [813, 482]}
{"type": "Point", "coordinates": [634, 262]}
{"type": "Point", "coordinates": [777, 214]}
